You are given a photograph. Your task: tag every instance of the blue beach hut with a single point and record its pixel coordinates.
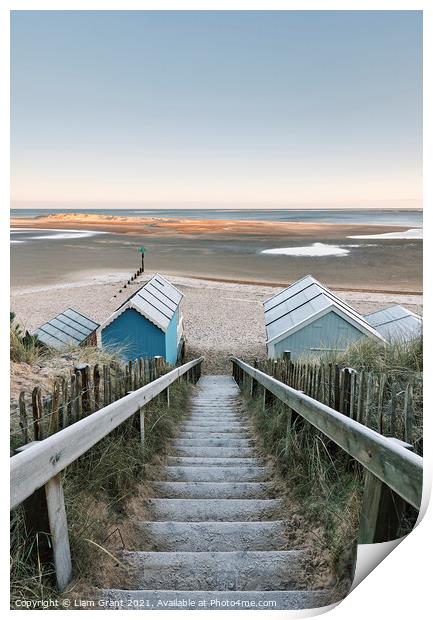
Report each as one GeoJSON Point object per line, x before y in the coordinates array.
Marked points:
{"type": "Point", "coordinates": [147, 324]}
{"type": "Point", "coordinates": [306, 318]}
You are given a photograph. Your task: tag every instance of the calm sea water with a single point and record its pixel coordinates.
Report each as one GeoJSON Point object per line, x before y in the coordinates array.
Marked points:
{"type": "Point", "coordinates": [385, 217]}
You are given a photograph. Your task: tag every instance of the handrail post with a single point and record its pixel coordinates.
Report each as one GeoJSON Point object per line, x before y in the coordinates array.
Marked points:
{"type": "Point", "coordinates": [57, 522]}
{"type": "Point", "coordinates": [382, 509]}
{"type": "Point", "coordinates": [59, 531]}
{"type": "Point", "coordinates": [142, 425]}
{"type": "Point", "coordinates": [254, 383]}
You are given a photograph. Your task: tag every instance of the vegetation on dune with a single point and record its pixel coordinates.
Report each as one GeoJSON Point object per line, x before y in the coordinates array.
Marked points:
{"type": "Point", "coordinates": [112, 470]}
{"type": "Point", "coordinates": [399, 359]}
{"type": "Point", "coordinates": [320, 476]}
{"type": "Point", "coordinates": [23, 346]}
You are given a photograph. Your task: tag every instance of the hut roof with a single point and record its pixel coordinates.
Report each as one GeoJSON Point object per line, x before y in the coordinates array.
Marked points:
{"type": "Point", "coordinates": [68, 327]}
{"type": "Point", "coordinates": [396, 323]}
{"type": "Point", "coordinates": [304, 301]}
{"type": "Point", "coordinates": [157, 301]}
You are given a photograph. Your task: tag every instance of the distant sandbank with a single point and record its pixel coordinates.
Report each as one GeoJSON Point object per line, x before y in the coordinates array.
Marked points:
{"type": "Point", "coordinates": [168, 227]}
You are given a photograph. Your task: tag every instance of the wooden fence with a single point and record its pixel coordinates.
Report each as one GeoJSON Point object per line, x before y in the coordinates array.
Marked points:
{"type": "Point", "coordinates": [384, 402]}
{"type": "Point", "coordinates": [393, 472]}
{"type": "Point", "coordinates": [84, 391]}
{"type": "Point", "coordinates": [41, 463]}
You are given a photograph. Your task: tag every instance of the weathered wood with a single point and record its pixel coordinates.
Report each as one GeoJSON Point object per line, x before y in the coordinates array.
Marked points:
{"type": "Point", "coordinates": [368, 399]}
{"type": "Point", "coordinates": [398, 468]}
{"type": "Point", "coordinates": [65, 403]}
{"type": "Point", "coordinates": [79, 395]}
{"type": "Point", "coordinates": [380, 397]}
{"type": "Point", "coordinates": [352, 395]}
{"type": "Point", "coordinates": [110, 381]}
{"type": "Point", "coordinates": [33, 468]}
{"type": "Point", "coordinates": [141, 371]}
{"type": "Point", "coordinates": [346, 391]}
{"type": "Point", "coordinates": [330, 390]}
{"type": "Point", "coordinates": [38, 431]}
{"type": "Point", "coordinates": [86, 399]}
{"type": "Point", "coordinates": [393, 409]}
{"type": "Point", "coordinates": [97, 386]}
{"type": "Point", "coordinates": [105, 384]}
{"type": "Point", "coordinates": [337, 388]}
{"type": "Point", "coordinates": [55, 406]}
{"type": "Point", "coordinates": [361, 389]}
{"type": "Point", "coordinates": [382, 510]}
{"type": "Point", "coordinates": [146, 371]}
{"type": "Point", "coordinates": [408, 414]}
{"type": "Point", "coordinates": [23, 416]}
{"type": "Point", "coordinates": [59, 531]}
{"type": "Point", "coordinates": [142, 426]}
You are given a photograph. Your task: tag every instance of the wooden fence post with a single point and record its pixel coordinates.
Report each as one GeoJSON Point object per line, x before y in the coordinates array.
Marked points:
{"type": "Point", "coordinates": [254, 384]}
{"type": "Point", "coordinates": [78, 396]}
{"type": "Point", "coordinates": [55, 406]}
{"type": "Point", "coordinates": [97, 386]}
{"type": "Point", "coordinates": [268, 399]}
{"type": "Point", "coordinates": [59, 531]}
{"type": "Point", "coordinates": [382, 509]}
{"type": "Point", "coordinates": [408, 413]}
{"type": "Point", "coordinates": [37, 414]}
{"type": "Point", "coordinates": [23, 416]}
{"type": "Point", "coordinates": [382, 385]}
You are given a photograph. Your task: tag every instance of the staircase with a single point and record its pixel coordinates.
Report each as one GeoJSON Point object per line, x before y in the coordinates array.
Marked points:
{"type": "Point", "coordinates": [217, 532]}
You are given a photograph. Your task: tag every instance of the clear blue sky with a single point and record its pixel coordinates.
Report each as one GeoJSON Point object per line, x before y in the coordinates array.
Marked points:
{"type": "Point", "coordinates": [273, 108]}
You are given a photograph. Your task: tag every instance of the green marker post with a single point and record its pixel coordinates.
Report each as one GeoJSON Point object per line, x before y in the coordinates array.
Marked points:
{"type": "Point", "coordinates": [142, 251]}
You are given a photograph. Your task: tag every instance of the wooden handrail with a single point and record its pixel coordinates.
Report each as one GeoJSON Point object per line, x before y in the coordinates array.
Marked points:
{"type": "Point", "coordinates": [40, 463]}
{"type": "Point", "coordinates": [398, 468]}
{"type": "Point", "coordinates": [34, 467]}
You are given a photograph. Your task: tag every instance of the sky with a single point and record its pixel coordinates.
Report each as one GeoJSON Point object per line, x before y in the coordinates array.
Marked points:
{"type": "Point", "coordinates": [216, 108]}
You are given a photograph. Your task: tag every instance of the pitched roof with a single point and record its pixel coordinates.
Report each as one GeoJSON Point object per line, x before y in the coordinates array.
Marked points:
{"type": "Point", "coordinates": [299, 304]}
{"type": "Point", "coordinates": [396, 323]}
{"type": "Point", "coordinates": [157, 301]}
{"type": "Point", "coordinates": [68, 327]}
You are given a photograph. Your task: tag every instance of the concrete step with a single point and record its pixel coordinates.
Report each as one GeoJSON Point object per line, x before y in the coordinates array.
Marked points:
{"type": "Point", "coordinates": [200, 461]}
{"type": "Point", "coordinates": [216, 474]}
{"type": "Point", "coordinates": [217, 419]}
{"type": "Point", "coordinates": [214, 428]}
{"type": "Point", "coordinates": [210, 452]}
{"type": "Point", "coordinates": [210, 510]}
{"type": "Point", "coordinates": [226, 570]}
{"type": "Point", "coordinates": [231, 422]}
{"type": "Point", "coordinates": [211, 600]}
{"type": "Point", "coordinates": [213, 536]}
{"type": "Point", "coordinates": [216, 443]}
{"type": "Point", "coordinates": [205, 434]}
{"type": "Point", "coordinates": [213, 490]}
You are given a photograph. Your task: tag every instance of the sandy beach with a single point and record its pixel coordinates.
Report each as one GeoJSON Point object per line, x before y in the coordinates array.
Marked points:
{"type": "Point", "coordinates": [221, 318]}
{"type": "Point", "coordinates": [57, 248]}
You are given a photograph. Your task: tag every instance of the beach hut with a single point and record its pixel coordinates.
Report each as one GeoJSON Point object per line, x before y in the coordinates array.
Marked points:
{"type": "Point", "coordinates": [147, 324]}
{"type": "Point", "coordinates": [67, 328]}
{"type": "Point", "coordinates": [306, 318]}
{"type": "Point", "coordinates": [396, 323]}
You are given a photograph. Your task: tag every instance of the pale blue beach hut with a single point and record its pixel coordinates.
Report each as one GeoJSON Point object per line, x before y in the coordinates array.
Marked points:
{"type": "Point", "coordinates": [396, 323]}
{"type": "Point", "coordinates": [306, 318]}
{"type": "Point", "coordinates": [148, 324]}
